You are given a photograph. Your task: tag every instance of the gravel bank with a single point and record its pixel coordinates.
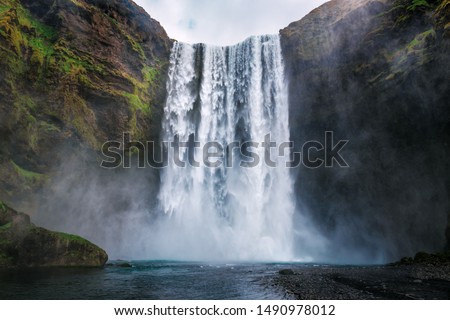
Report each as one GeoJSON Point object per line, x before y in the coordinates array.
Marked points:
{"type": "Point", "coordinates": [372, 282]}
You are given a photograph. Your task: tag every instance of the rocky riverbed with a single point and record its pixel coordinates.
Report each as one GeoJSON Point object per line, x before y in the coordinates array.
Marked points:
{"type": "Point", "coordinates": [398, 282]}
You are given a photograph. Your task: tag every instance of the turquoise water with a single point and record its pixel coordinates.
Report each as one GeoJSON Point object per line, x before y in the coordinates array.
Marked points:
{"type": "Point", "coordinates": [153, 280]}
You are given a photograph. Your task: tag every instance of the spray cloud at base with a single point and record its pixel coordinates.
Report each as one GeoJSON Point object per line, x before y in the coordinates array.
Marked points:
{"type": "Point", "coordinates": [220, 94]}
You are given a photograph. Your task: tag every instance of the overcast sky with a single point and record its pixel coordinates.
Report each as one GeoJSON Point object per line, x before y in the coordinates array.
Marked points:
{"type": "Point", "coordinates": [225, 22]}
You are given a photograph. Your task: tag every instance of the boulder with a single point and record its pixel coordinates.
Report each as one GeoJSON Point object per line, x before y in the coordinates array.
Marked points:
{"type": "Point", "coordinates": [124, 265]}
{"type": "Point", "coordinates": [286, 272]}
{"type": "Point", "coordinates": [22, 244]}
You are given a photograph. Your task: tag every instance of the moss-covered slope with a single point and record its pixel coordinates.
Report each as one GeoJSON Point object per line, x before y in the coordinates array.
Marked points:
{"type": "Point", "coordinates": [74, 73]}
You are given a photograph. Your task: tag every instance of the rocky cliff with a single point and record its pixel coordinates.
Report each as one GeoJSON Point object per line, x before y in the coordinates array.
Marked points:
{"type": "Point", "coordinates": [74, 74]}
{"type": "Point", "coordinates": [375, 73]}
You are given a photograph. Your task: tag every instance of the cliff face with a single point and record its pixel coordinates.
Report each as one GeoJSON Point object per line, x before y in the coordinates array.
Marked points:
{"type": "Point", "coordinates": [74, 74]}
{"type": "Point", "coordinates": [376, 73]}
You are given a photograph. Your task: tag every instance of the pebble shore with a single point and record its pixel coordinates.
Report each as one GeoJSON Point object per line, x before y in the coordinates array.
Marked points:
{"type": "Point", "coordinates": [397, 282]}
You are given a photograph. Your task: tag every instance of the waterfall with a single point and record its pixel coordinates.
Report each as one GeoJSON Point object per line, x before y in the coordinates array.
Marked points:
{"type": "Point", "coordinates": [227, 212]}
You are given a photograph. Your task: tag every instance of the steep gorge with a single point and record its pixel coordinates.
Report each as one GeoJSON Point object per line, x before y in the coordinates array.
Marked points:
{"type": "Point", "coordinates": [77, 73]}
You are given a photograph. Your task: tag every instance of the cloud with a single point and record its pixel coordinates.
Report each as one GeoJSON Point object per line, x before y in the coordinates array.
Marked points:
{"type": "Point", "coordinates": [189, 24]}
{"type": "Point", "coordinates": [225, 22]}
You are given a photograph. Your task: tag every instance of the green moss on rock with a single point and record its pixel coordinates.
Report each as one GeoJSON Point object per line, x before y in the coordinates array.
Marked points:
{"type": "Point", "coordinates": [29, 175]}
{"type": "Point", "coordinates": [418, 4]}
{"type": "Point", "coordinates": [75, 73]}
{"type": "Point", "coordinates": [22, 244]}
{"type": "Point", "coordinates": [2, 207]}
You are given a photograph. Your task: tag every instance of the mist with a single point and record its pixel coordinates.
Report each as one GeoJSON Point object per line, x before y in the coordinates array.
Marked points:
{"type": "Point", "coordinates": [391, 202]}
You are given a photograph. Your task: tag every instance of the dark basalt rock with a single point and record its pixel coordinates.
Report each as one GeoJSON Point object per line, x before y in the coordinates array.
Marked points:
{"type": "Point", "coordinates": [22, 244]}
{"type": "Point", "coordinates": [376, 74]}
{"type": "Point", "coordinates": [124, 265]}
{"type": "Point", "coordinates": [286, 272]}
{"type": "Point", "coordinates": [425, 258]}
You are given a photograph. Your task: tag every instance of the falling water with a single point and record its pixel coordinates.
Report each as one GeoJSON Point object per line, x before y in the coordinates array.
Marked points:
{"type": "Point", "coordinates": [226, 94]}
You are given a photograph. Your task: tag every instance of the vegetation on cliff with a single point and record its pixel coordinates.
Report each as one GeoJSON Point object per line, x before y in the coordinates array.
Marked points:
{"type": "Point", "coordinates": [74, 73]}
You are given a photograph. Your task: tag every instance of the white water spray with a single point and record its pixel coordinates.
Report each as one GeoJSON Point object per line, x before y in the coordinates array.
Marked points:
{"type": "Point", "coordinates": [226, 94]}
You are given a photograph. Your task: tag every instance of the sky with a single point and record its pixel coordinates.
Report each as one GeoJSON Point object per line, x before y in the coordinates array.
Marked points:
{"type": "Point", "coordinates": [225, 22]}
